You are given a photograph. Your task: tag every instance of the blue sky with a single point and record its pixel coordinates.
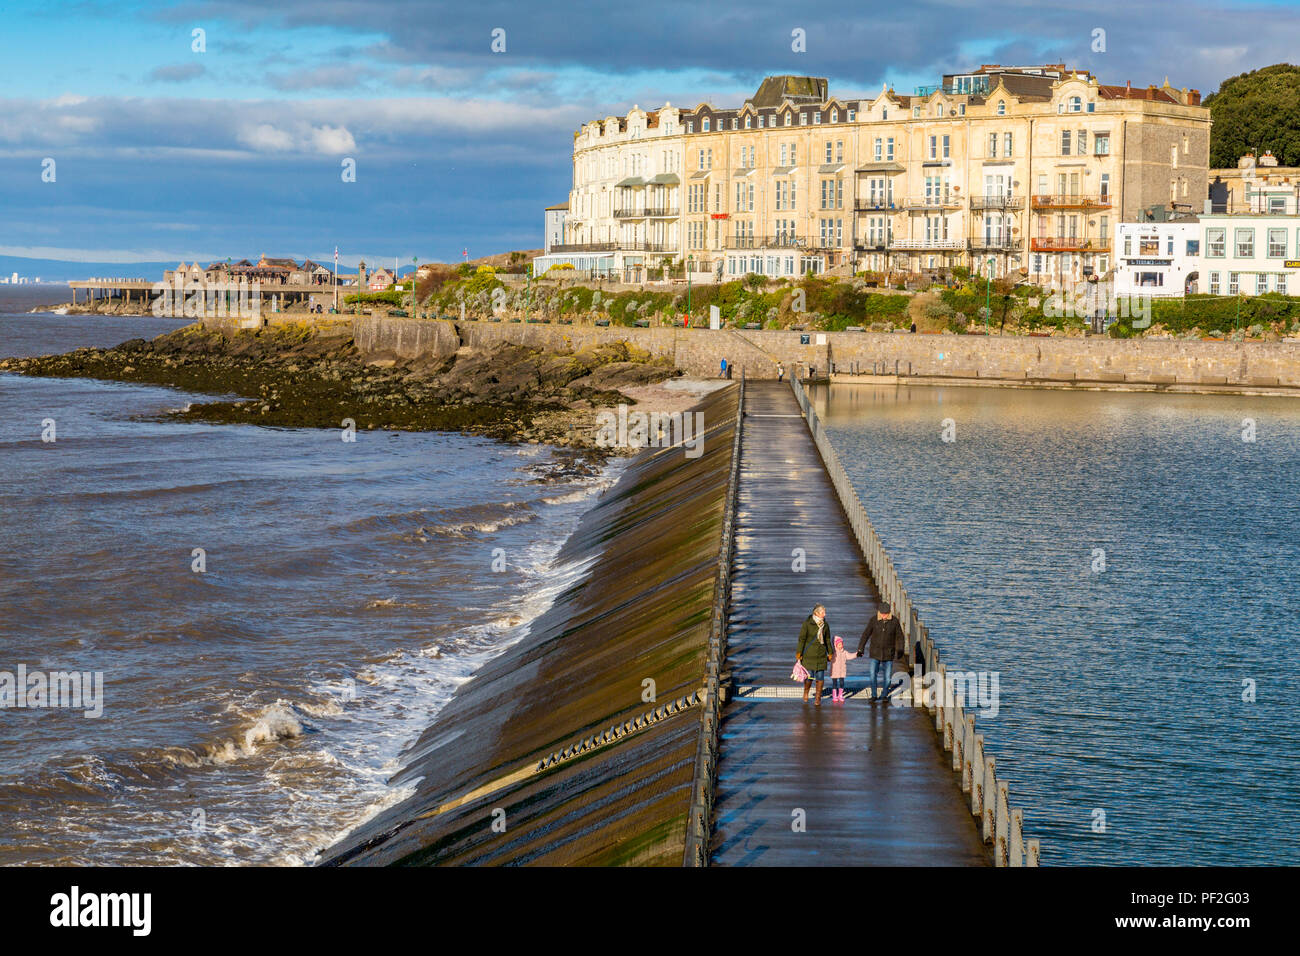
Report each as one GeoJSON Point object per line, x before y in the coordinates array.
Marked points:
{"type": "Point", "coordinates": [164, 152]}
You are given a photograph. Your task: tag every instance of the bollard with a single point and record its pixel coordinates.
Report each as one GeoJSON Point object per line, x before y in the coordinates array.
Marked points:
{"type": "Point", "coordinates": [1001, 827]}
{"type": "Point", "coordinates": [977, 778]}
{"type": "Point", "coordinates": [958, 731]}
{"type": "Point", "coordinates": [1031, 858]}
{"type": "Point", "coordinates": [940, 699]}
{"type": "Point", "coordinates": [990, 791]}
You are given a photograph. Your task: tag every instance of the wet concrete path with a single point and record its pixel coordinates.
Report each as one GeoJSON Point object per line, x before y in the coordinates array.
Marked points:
{"type": "Point", "coordinates": [851, 784]}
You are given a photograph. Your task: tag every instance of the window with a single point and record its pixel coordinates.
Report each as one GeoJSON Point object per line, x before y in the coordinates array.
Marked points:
{"type": "Point", "coordinates": [1216, 241]}
{"type": "Point", "coordinates": [1261, 283]}
{"type": "Point", "coordinates": [1104, 229]}
{"type": "Point", "coordinates": [828, 151]}
{"type": "Point", "coordinates": [946, 144]}
{"type": "Point", "coordinates": [1091, 107]}
{"type": "Point", "coordinates": [934, 148]}
{"type": "Point", "coordinates": [1245, 243]}
{"type": "Point", "coordinates": [1193, 247]}
{"type": "Point", "coordinates": [835, 116]}
{"type": "Point", "coordinates": [916, 112]}
{"type": "Point", "coordinates": [961, 109]}
{"type": "Point", "coordinates": [1173, 157]}
{"type": "Point", "coordinates": [1101, 144]}
{"type": "Point", "coordinates": [853, 115]}
{"type": "Point", "coordinates": [735, 122]}
{"type": "Point", "coordinates": [803, 119]}
{"type": "Point", "coordinates": [1082, 143]}
{"type": "Point", "coordinates": [783, 155]}
{"type": "Point", "coordinates": [1065, 142]}
{"type": "Point", "coordinates": [749, 121]}
{"type": "Point", "coordinates": [1008, 141]}
{"type": "Point", "coordinates": [884, 114]}
{"type": "Point", "coordinates": [1076, 104]}
{"type": "Point", "coordinates": [1002, 108]}
{"type": "Point", "coordinates": [760, 121]}
{"type": "Point", "coordinates": [889, 148]}
{"type": "Point", "coordinates": [1214, 283]}
{"type": "Point", "coordinates": [879, 145]}
{"type": "Point", "coordinates": [704, 124]}
{"type": "Point", "coordinates": [690, 126]}
{"type": "Point", "coordinates": [1277, 243]}
{"type": "Point", "coordinates": [1234, 284]}
{"type": "Point", "coordinates": [1281, 282]}
{"type": "Point", "coordinates": [993, 145]}
{"type": "Point", "coordinates": [839, 151]}
{"type": "Point", "coordinates": [789, 119]}
{"type": "Point", "coordinates": [1169, 245]}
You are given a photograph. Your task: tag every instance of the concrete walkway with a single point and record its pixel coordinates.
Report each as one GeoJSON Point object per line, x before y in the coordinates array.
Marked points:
{"type": "Point", "coordinates": [852, 784]}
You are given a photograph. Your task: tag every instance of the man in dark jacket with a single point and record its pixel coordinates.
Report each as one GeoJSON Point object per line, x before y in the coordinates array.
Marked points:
{"type": "Point", "coordinates": [815, 650]}
{"type": "Point", "coordinates": [883, 641]}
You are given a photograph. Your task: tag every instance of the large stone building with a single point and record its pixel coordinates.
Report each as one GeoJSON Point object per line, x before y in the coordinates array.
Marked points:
{"type": "Point", "coordinates": [1257, 185]}
{"type": "Point", "coordinates": [1024, 170]}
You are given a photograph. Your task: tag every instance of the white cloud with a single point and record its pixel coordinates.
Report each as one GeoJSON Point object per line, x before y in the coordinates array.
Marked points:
{"type": "Point", "coordinates": [332, 140]}
{"type": "Point", "coordinates": [265, 138]}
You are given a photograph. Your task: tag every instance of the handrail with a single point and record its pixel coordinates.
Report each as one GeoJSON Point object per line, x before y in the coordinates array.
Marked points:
{"type": "Point", "coordinates": [999, 826]}
{"type": "Point", "coordinates": [700, 815]}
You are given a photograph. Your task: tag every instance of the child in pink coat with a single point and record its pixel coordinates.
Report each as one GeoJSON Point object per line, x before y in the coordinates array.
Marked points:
{"type": "Point", "coordinates": [839, 670]}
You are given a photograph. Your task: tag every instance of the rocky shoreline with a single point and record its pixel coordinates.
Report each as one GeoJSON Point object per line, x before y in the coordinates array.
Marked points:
{"type": "Point", "coordinates": [300, 376]}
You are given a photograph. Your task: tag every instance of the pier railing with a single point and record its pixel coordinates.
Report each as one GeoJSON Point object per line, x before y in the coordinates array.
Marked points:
{"type": "Point", "coordinates": [698, 825]}
{"type": "Point", "coordinates": [1001, 826]}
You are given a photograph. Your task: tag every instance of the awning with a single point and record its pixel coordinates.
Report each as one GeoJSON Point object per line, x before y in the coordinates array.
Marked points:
{"type": "Point", "coordinates": [830, 167]}
{"type": "Point", "coordinates": [630, 181]}
{"type": "Point", "coordinates": [666, 179]}
{"type": "Point", "coordinates": [702, 174]}
{"type": "Point", "coordinates": [783, 171]}
{"type": "Point", "coordinates": [888, 167]}
{"type": "Point", "coordinates": [743, 173]}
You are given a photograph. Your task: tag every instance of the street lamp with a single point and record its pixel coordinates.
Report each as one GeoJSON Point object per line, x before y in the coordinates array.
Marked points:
{"type": "Point", "coordinates": [988, 289]}
{"type": "Point", "coordinates": [415, 266]}
{"type": "Point", "coordinates": [690, 264]}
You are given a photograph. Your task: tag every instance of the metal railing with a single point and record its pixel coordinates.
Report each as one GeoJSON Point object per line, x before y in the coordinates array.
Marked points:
{"type": "Point", "coordinates": [997, 202]}
{"type": "Point", "coordinates": [952, 245]}
{"type": "Point", "coordinates": [1000, 826]}
{"type": "Point", "coordinates": [1069, 201]}
{"type": "Point", "coordinates": [700, 816]}
{"type": "Point", "coordinates": [645, 212]}
{"type": "Point", "coordinates": [946, 201]}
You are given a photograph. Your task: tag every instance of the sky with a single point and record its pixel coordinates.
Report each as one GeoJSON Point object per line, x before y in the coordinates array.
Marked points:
{"type": "Point", "coordinates": [199, 130]}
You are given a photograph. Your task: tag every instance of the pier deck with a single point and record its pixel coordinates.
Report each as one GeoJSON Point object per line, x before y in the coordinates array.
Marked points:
{"type": "Point", "coordinates": [872, 781]}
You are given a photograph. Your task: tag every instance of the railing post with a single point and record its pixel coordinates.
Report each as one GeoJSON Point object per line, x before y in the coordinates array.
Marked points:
{"type": "Point", "coordinates": [990, 797]}
{"type": "Point", "coordinates": [1031, 857]}
{"type": "Point", "coordinates": [1001, 828]}
{"type": "Point", "coordinates": [977, 779]}
{"type": "Point", "coordinates": [967, 745]}
{"type": "Point", "coordinates": [941, 700]}
{"type": "Point", "coordinates": [1017, 851]}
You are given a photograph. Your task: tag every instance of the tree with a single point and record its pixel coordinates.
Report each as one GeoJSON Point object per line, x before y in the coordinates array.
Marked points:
{"type": "Point", "coordinates": [1256, 111]}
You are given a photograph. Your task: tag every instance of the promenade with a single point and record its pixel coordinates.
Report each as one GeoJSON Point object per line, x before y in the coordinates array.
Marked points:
{"type": "Point", "coordinates": [849, 784]}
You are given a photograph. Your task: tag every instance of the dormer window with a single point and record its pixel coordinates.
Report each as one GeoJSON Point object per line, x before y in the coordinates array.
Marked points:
{"type": "Point", "coordinates": [735, 122]}
{"type": "Point", "coordinates": [748, 121]}
{"type": "Point", "coordinates": [1002, 107]}
{"type": "Point", "coordinates": [817, 118]}
{"type": "Point", "coordinates": [704, 126]}
{"type": "Point", "coordinates": [853, 115]}
{"type": "Point", "coordinates": [803, 119]}
{"type": "Point", "coordinates": [789, 119]}
{"type": "Point", "coordinates": [835, 116]}
{"type": "Point", "coordinates": [1076, 104]}
{"type": "Point", "coordinates": [690, 126]}
{"type": "Point", "coordinates": [884, 114]}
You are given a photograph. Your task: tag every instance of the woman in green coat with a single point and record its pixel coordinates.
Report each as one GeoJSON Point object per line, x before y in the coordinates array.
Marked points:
{"type": "Point", "coordinates": [815, 650]}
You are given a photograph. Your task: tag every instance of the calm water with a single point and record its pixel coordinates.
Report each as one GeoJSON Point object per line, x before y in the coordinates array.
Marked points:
{"type": "Point", "coordinates": [1121, 689]}
{"type": "Point", "coordinates": [252, 711]}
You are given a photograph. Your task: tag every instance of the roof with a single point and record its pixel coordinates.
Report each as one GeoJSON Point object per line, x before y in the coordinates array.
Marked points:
{"type": "Point", "coordinates": [277, 263]}
{"type": "Point", "coordinates": [774, 89]}
{"type": "Point", "coordinates": [1135, 93]}
{"type": "Point", "coordinates": [558, 205]}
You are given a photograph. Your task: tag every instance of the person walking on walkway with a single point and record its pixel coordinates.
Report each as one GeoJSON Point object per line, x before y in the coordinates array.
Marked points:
{"type": "Point", "coordinates": [839, 670]}
{"type": "Point", "coordinates": [780, 373]}
{"type": "Point", "coordinates": [882, 639]}
{"type": "Point", "coordinates": [814, 651]}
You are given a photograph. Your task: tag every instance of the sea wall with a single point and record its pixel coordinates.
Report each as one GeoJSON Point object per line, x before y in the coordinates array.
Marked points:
{"type": "Point", "coordinates": [1093, 361]}
{"type": "Point", "coordinates": [577, 746]}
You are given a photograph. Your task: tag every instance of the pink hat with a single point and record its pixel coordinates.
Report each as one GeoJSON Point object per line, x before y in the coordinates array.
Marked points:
{"type": "Point", "coordinates": [838, 639]}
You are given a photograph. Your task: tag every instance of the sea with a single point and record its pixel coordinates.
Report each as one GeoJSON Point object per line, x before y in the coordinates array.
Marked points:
{"type": "Point", "coordinates": [1128, 564]}
{"type": "Point", "coordinates": [270, 615]}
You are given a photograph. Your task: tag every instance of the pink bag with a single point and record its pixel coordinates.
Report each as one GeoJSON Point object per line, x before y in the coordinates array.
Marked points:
{"type": "Point", "coordinates": [800, 672]}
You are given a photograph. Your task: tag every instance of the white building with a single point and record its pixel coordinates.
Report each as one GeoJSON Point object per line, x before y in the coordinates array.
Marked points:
{"type": "Point", "coordinates": [1158, 258]}
{"type": "Point", "coordinates": [553, 234]}
{"type": "Point", "coordinates": [1218, 254]}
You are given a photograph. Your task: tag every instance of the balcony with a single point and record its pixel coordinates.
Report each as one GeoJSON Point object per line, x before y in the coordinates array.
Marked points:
{"type": "Point", "coordinates": [569, 247]}
{"type": "Point", "coordinates": [1068, 244]}
{"type": "Point", "coordinates": [870, 245]}
{"type": "Point", "coordinates": [646, 212]}
{"type": "Point", "coordinates": [1070, 201]}
{"type": "Point", "coordinates": [776, 242]}
{"type": "Point", "coordinates": [922, 203]}
{"type": "Point", "coordinates": [926, 245]}
{"type": "Point", "coordinates": [874, 205]}
{"type": "Point", "coordinates": [1001, 244]}
{"type": "Point", "coordinates": [997, 202]}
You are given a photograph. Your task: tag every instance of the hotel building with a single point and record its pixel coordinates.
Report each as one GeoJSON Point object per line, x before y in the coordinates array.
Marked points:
{"type": "Point", "coordinates": [1021, 170]}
